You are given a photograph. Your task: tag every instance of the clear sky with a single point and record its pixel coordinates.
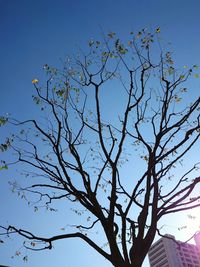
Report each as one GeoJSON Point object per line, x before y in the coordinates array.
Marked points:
{"type": "Point", "coordinates": [35, 32]}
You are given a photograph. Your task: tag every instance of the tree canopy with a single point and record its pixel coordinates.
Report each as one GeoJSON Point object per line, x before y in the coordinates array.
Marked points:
{"type": "Point", "coordinates": [116, 123]}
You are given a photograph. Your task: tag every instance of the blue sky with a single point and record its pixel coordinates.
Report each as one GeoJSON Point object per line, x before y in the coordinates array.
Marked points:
{"type": "Point", "coordinates": [37, 32]}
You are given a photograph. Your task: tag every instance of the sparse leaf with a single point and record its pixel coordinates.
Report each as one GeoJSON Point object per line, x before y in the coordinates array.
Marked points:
{"type": "Point", "coordinates": [113, 152]}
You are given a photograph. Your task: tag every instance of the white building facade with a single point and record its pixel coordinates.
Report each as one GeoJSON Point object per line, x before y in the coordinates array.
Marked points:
{"type": "Point", "coordinates": [168, 252]}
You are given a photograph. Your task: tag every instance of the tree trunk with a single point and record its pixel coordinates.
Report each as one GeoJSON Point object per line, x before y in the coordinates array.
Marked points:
{"type": "Point", "coordinates": [137, 262]}
{"type": "Point", "coordinates": [138, 254]}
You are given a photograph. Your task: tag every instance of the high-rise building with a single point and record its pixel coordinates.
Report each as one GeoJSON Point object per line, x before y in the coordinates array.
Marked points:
{"type": "Point", "coordinates": [169, 252]}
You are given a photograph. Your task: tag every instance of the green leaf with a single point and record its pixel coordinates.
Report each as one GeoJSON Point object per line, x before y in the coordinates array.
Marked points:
{"type": "Point", "coordinates": [177, 99]}
{"type": "Point", "coordinates": [60, 92]}
{"type": "Point", "coordinates": [120, 48]}
{"type": "Point", "coordinates": [130, 43]}
{"type": "Point", "coordinates": [169, 59]}
{"type": "Point", "coordinates": [25, 258]}
{"type": "Point", "coordinates": [3, 120]}
{"type": "Point", "coordinates": [36, 99]}
{"type": "Point", "coordinates": [5, 167]}
{"type": "Point", "coordinates": [35, 209]}
{"type": "Point", "coordinates": [158, 30]}
{"type": "Point", "coordinates": [6, 145]}
{"type": "Point", "coordinates": [33, 244]}
{"type": "Point", "coordinates": [195, 67]}
{"type": "Point", "coordinates": [17, 253]}
{"type": "Point", "coordinates": [139, 34]}
{"type": "Point", "coordinates": [196, 75]}
{"type": "Point", "coordinates": [112, 55]}
{"type": "Point", "coordinates": [171, 70]}
{"type": "Point", "coordinates": [90, 43]}
{"type": "Point", "coordinates": [184, 90]}
{"type": "Point", "coordinates": [111, 35]}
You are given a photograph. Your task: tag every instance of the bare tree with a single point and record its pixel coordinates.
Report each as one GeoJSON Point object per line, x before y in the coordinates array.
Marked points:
{"type": "Point", "coordinates": [111, 157]}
